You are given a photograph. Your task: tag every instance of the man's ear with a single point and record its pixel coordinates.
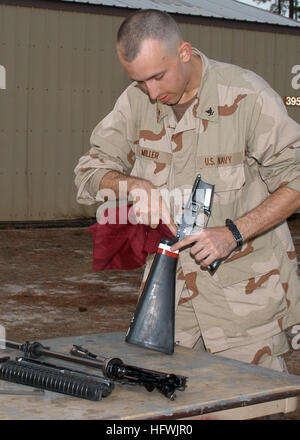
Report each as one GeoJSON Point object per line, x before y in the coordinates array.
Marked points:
{"type": "Point", "coordinates": [185, 51]}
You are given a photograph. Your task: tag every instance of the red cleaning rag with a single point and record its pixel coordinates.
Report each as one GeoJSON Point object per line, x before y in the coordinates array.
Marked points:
{"type": "Point", "coordinates": [124, 245]}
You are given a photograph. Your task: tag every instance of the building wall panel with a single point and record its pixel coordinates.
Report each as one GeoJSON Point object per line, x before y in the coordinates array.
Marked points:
{"type": "Point", "coordinates": [63, 76]}
{"type": "Point", "coordinates": [269, 54]}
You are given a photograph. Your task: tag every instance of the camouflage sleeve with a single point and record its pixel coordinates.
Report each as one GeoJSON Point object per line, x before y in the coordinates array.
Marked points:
{"type": "Point", "coordinates": [111, 149]}
{"type": "Point", "coordinates": [274, 142]}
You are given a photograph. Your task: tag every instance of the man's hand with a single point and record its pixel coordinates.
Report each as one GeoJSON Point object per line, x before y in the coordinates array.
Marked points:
{"type": "Point", "coordinates": [215, 243]}
{"type": "Point", "coordinates": [208, 245]}
{"type": "Point", "coordinates": [148, 205]}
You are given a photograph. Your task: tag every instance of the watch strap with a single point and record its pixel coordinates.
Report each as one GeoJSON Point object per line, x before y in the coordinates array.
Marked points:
{"type": "Point", "coordinates": [235, 232]}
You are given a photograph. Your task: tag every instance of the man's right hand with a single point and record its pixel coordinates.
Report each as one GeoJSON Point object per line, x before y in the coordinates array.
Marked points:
{"type": "Point", "coordinates": [148, 205]}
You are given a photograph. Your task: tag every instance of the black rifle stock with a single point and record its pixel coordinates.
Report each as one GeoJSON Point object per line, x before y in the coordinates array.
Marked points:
{"type": "Point", "coordinates": [153, 323]}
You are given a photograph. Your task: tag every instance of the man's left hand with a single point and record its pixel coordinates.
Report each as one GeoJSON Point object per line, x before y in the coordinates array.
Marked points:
{"type": "Point", "coordinates": [208, 245]}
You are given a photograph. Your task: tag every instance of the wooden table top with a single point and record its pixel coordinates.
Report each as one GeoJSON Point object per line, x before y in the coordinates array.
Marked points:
{"type": "Point", "coordinates": [214, 384]}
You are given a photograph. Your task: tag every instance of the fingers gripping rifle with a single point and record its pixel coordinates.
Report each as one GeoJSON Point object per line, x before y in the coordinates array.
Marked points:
{"type": "Point", "coordinates": [152, 325]}
{"type": "Point", "coordinates": [197, 212]}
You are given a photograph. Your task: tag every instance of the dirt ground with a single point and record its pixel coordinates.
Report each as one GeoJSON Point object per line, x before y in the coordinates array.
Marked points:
{"type": "Point", "coordinates": [49, 289]}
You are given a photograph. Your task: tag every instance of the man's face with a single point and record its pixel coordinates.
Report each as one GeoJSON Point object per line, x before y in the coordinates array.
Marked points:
{"type": "Point", "coordinates": [161, 73]}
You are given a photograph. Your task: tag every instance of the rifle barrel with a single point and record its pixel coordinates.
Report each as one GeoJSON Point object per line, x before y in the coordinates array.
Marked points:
{"type": "Point", "coordinates": [36, 349]}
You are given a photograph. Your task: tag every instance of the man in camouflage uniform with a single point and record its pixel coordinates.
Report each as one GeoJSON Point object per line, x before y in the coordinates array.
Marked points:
{"type": "Point", "coordinates": [185, 114]}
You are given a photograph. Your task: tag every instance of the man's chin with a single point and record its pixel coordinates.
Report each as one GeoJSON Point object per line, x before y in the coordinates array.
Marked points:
{"type": "Point", "coordinates": [170, 101]}
{"type": "Point", "coordinates": [175, 100]}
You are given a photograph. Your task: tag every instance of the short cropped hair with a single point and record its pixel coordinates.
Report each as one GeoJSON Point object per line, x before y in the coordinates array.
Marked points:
{"type": "Point", "coordinates": [145, 24]}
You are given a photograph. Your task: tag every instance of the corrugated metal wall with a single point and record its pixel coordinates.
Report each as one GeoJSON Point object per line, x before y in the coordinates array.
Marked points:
{"type": "Point", "coordinates": [271, 55]}
{"type": "Point", "coordinates": [63, 76]}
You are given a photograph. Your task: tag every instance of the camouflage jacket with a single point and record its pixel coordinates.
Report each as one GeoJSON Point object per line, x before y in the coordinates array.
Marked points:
{"type": "Point", "coordinates": [238, 136]}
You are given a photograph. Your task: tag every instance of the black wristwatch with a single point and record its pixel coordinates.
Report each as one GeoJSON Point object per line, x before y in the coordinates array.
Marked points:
{"type": "Point", "coordinates": [235, 232]}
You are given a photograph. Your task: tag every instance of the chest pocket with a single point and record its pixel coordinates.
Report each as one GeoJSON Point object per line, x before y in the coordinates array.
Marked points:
{"type": "Point", "coordinates": [254, 262]}
{"type": "Point", "coordinates": [152, 165]}
{"type": "Point", "coordinates": [229, 181]}
{"type": "Point", "coordinates": [225, 179]}
{"type": "Point", "coordinates": [226, 172]}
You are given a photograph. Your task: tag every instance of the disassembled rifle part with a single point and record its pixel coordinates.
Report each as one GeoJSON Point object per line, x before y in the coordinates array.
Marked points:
{"type": "Point", "coordinates": [28, 370]}
{"type": "Point", "coordinates": [115, 369]}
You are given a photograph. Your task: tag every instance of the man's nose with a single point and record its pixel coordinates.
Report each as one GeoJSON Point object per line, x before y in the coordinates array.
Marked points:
{"type": "Point", "coordinates": [152, 89]}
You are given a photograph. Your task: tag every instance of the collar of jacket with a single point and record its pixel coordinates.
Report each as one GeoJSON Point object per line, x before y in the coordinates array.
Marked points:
{"type": "Point", "coordinates": [207, 96]}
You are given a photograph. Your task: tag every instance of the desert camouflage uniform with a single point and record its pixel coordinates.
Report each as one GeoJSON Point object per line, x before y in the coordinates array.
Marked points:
{"type": "Point", "coordinates": [238, 136]}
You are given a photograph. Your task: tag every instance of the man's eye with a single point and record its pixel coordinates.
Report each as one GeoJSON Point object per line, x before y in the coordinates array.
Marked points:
{"type": "Point", "coordinates": [159, 77]}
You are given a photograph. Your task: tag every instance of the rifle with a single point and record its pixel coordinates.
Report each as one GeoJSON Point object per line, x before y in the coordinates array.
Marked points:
{"type": "Point", "coordinates": [196, 213]}
{"type": "Point", "coordinates": [152, 325]}
{"type": "Point", "coordinates": [113, 369]}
